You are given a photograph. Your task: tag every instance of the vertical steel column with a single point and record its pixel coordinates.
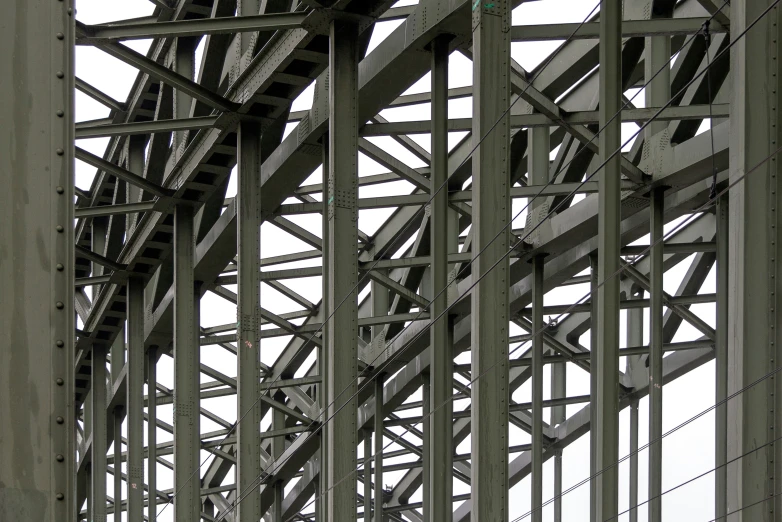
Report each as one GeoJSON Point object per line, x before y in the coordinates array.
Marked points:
{"type": "Point", "coordinates": [426, 444]}
{"type": "Point", "coordinates": [99, 433]}
{"type": "Point", "coordinates": [117, 356]}
{"type": "Point", "coordinates": [635, 337]}
{"type": "Point", "coordinates": [658, 93]}
{"type": "Point", "coordinates": [117, 464]}
{"type": "Point", "coordinates": [379, 416]}
{"type": "Point", "coordinates": [539, 149]}
{"type": "Point", "coordinates": [343, 270]}
{"type": "Point", "coordinates": [656, 355]}
{"type": "Point", "coordinates": [633, 515]}
{"type": "Point", "coordinates": [187, 444]}
{"type": "Point", "coordinates": [721, 358]}
{"type": "Point", "coordinates": [136, 146]}
{"type": "Point", "coordinates": [278, 448]}
{"type": "Point", "coordinates": [152, 433]}
{"type": "Point", "coordinates": [135, 391]}
{"type": "Point", "coordinates": [594, 362]}
{"type": "Point", "coordinates": [537, 389]}
{"type": "Point", "coordinates": [323, 352]}
{"type": "Point", "coordinates": [441, 450]}
{"type": "Point", "coordinates": [184, 64]}
{"type": "Point", "coordinates": [753, 269]}
{"type": "Point", "coordinates": [248, 358]}
{"type": "Point", "coordinates": [491, 213]}
{"type": "Point", "coordinates": [367, 475]}
{"type": "Point", "coordinates": [606, 430]}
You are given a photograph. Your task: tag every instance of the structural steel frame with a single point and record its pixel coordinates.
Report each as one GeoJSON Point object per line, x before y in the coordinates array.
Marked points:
{"type": "Point", "coordinates": [446, 274]}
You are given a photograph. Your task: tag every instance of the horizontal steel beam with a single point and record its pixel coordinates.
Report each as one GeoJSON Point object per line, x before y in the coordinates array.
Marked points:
{"type": "Point", "coordinates": [202, 26]}
{"type": "Point", "coordinates": [687, 112]}
{"type": "Point", "coordinates": [96, 129]}
{"type": "Point", "coordinates": [113, 210]}
{"type": "Point", "coordinates": [630, 29]}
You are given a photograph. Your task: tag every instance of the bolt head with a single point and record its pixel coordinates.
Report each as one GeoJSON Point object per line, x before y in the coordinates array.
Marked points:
{"type": "Point", "coordinates": [60, 152]}
{"type": "Point", "coordinates": [60, 190]}
{"type": "Point", "coordinates": [60, 420]}
{"type": "Point", "coordinates": [60, 113]}
{"type": "Point", "coordinates": [60, 267]}
{"type": "Point", "coordinates": [60, 36]}
{"type": "Point", "coordinates": [59, 305]}
{"type": "Point", "coordinates": [59, 228]}
{"type": "Point", "coordinates": [59, 457]}
{"type": "Point", "coordinates": [60, 74]}
{"type": "Point", "coordinates": [59, 382]}
{"type": "Point", "coordinates": [60, 496]}
{"type": "Point", "coordinates": [59, 343]}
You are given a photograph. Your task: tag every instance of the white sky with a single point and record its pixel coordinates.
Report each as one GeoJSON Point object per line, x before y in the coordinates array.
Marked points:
{"type": "Point", "coordinates": [686, 453]}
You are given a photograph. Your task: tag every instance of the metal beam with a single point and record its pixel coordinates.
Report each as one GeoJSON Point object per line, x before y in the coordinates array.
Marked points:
{"type": "Point", "coordinates": [198, 27]}
{"type": "Point", "coordinates": [491, 213]}
{"type": "Point", "coordinates": [630, 29]}
{"type": "Point", "coordinates": [606, 429]}
{"type": "Point", "coordinates": [343, 271]}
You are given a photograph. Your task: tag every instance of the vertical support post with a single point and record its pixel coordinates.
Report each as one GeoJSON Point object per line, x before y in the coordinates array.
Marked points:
{"type": "Point", "coordinates": [135, 391]}
{"type": "Point", "coordinates": [558, 485]}
{"type": "Point", "coordinates": [606, 430]}
{"type": "Point", "coordinates": [248, 358]}
{"type": "Point", "coordinates": [343, 270]}
{"type": "Point", "coordinates": [721, 357]}
{"type": "Point", "coordinates": [117, 356]}
{"type": "Point", "coordinates": [658, 93]}
{"type": "Point", "coordinates": [491, 214]}
{"type": "Point", "coordinates": [136, 146]}
{"type": "Point", "coordinates": [323, 351]}
{"type": "Point", "coordinates": [635, 337]}
{"type": "Point", "coordinates": [278, 448]}
{"type": "Point", "coordinates": [440, 448]}
{"type": "Point", "coordinates": [753, 266]}
{"type": "Point", "coordinates": [184, 64]}
{"type": "Point", "coordinates": [540, 148]}
{"type": "Point", "coordinates": [152, 433]}
{"type": "Point", "coordinates": [537, 389]}
{"type": "Point", "coordinates": [426, 444]}
{"type": "Point", "coordinates": [594, 362]}
{"type": "Point", "coordinates": [656, 355]}
{"type": "Point", "coordinates": [99, 433]}
{"type": "Point", "coordinates": [367, 475]}
{"type": "Point", "coordinates": [379, 416]}
{"type": "Point", "coordinates": [187, 444]}
{"type": "Point", "coordinates": [117, 464]}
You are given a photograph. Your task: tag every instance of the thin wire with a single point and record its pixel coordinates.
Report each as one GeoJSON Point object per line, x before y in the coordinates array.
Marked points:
{"type": "Point", "coordinates": [669, 234]}
{"type": "Point", "coordinates": [693, 479]}
{"type": "Point", "coordinates": [527, 235]}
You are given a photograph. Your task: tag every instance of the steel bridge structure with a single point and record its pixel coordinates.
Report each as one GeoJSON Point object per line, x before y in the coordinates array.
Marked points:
{"type": "Point", "coordinates": [426, 329]}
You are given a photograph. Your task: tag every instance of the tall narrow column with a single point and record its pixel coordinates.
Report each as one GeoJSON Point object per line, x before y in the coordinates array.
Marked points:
{"type": "Point", "coordinates": [184, 64]}
{"type": "Point", "coordinates": [606, 430]}
{"type": "Point", "coordinates": [425, 446]}
{"type": "Point", "coordinates": [118, 413]}
{"type": "Point", "coordinates": [323, 352]}
{"type": "Point", "coordinates": [491, 213]}
{"type": "Point", "coordinates": [635, 337]}
{"type": "Point", "coordinates": [342, 276]}
{"type": "Point", "coordinates": [367, 475]}
{"type": "Point", "coordinates": [656, 356]}
{"type": "Point", "coordinates": [540, 147]}
{"type": "Point", "coordinates": [152, 433]}
{"type": "Point", "coordinates": [440, 454]}
{"type": "Point", "coordinates": [753, 263]}
{"type": "Point", "coordinates": [135, 391]}
{"type": "Point", "coordinates": [99, 434]}
{"type": "Point", "coordinates": [594, 361]}
{"type": "Point", "coordinates": [248, 358]}
{"type": "Point", "coordinates": [278, 448]}
{"type": "Point", "coordinates": [379, 416]}
{"type": "Point", "coordinates": [721, 357]}
{"type": "Point", "coordinates": [658, 93]}
{"type": "Point", "coordinates": [187, 483]}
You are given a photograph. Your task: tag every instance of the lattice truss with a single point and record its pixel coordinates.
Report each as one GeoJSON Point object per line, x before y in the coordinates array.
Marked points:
{"type": "Point", "coordinates": [228, 85]}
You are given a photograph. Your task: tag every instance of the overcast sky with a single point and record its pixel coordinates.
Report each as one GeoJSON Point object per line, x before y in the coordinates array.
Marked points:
{"type": "Point", "coordinates": [686, 453]}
